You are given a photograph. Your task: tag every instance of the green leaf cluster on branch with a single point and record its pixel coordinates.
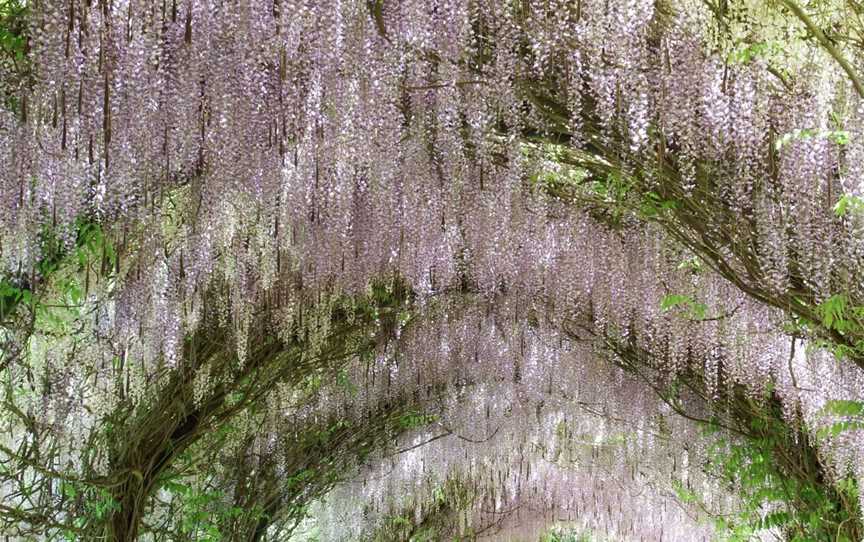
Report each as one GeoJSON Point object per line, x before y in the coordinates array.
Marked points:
{"type": "Point", "coordinates": [218, 222]}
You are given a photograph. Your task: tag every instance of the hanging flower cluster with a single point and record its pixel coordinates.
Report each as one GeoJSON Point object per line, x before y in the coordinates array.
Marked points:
{"type": "Point", "coordinates": [206, 207]}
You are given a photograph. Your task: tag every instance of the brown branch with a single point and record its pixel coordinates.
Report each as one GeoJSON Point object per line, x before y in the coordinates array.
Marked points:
{"type": "Point", "coordinates": [826, 44]}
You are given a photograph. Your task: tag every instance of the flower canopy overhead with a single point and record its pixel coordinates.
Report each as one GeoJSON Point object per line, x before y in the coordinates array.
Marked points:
{"type": "Point", "coordinates": [479, 265]}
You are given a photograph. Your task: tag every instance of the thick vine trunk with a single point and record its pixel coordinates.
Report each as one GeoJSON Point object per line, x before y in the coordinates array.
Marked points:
{"type": "Point", "coordinates": [125, 521]}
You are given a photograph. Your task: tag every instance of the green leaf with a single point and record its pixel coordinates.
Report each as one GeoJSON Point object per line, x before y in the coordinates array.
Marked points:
{"type": "Point", "coordinates": [832, 311]}
{"type": "Point", "coordinates": [69, 490]}
{"type": "Point", "coordinates": [682, 493]}
{"type": "Point", "coordinates": [844, 408]}
{"type": "Point", "coordinates": [755, 50]}
{"type": "Point", "coordinates": [698, 310]}
{"type": "Point", "coordinates": [839, 137]}
{"type": "Point", "coordinates": [177, 488]}
{"type": "Point", "coordinates": [412, 420]}
{"type": "Point", "coordinates": [674, 300]}
{"type": "Point", "coordinates": [847, 204]}
{"type": "Point", "coordinates": [837, 428]}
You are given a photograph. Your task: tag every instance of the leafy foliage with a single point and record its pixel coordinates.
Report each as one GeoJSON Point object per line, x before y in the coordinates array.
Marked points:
{"type": "Point", "coordinates": [221, 222]}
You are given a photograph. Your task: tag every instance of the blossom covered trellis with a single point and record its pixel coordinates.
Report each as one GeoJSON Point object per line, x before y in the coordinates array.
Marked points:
{"type": "Point", "coordinates": [196, 197]}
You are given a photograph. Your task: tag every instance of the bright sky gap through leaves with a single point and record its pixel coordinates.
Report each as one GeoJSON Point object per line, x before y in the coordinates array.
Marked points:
{"type": "Point", "coordinates": [421, 270]}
